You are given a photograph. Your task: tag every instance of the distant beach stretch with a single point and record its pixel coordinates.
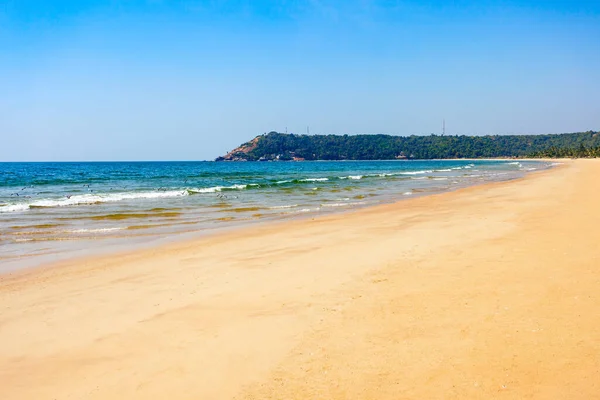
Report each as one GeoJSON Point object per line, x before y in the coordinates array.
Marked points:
{"type": "Point", "coordinates": [52, 211]}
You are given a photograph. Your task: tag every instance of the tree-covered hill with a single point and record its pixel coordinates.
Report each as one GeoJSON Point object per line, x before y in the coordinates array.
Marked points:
{"type": "Point", "coordinates": [279, 146]}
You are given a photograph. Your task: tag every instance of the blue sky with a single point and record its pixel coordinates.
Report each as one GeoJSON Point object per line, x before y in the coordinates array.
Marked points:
{"type": "Point", "coordinates": [186, 80]}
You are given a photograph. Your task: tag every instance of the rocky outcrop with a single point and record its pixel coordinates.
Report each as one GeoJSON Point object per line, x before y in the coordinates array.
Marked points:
{"type": "Point", "coordinates": [241, 153]}
{"type": "Point", "coordinates": [274, 146]}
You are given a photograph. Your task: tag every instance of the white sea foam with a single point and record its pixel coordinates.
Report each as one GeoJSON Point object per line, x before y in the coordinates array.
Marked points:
{"type": "Point", "coordinates": [86, 199]}
{"type": "Point", "coordinates": [518, 164]}
{"type": "Point", "coordinates": [215, 189]}
{"type": "Point", "coordinates": [335, 205]}
{"type": "Point", "coordinates": [97, 230]}
{"type": "Point", "coordinates": [428, 171]}
{"type": "Point", "coordinates": [443, 170]}
{"type": "Point", "coordinates": [314, 180]}
{"type": "Point", "coordinates": [282, 182]}
{"type": "Point", "coordinates": [305, 210]}
{"type": "Point", "coordinates": [380, 175]}
{"type": "Point", "coordinates": [407, 193]}
{"type": "Point", "coordinates": [14, 208]}
{"type": "Point", "coordinates": [286, 206]}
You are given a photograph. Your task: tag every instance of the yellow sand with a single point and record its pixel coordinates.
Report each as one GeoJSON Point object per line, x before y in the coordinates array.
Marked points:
{"type": "Point", "coordinates": [487, 292]}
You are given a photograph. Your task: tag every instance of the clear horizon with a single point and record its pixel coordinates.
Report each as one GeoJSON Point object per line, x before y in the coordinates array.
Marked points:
{"type": "Point", "coordinates": [190, 80]}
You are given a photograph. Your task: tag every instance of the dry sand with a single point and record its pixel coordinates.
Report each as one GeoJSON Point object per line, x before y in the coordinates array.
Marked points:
{"type": "Point", "coordinates": [487, 292]}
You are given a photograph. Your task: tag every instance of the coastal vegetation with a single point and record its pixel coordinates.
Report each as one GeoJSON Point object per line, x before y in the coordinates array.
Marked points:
{"type": "Point", "coordinates": [570, 152]}
{"type": "Point", "coordinates": [283, 147]}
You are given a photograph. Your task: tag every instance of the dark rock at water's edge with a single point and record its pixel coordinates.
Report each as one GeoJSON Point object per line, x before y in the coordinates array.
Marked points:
{"type": "Point", "coordinates": [274, 146]}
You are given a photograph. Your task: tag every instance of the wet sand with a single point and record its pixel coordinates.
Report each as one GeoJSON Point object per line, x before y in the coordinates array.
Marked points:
{"type": "Point", "coordinates": [487, 292]}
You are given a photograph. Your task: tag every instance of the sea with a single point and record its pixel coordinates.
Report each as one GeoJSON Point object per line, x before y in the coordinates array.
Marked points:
{"type": "Point", "coordinates": [52, 211]}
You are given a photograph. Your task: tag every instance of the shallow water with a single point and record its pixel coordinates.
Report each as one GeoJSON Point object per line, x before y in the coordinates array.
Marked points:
{"type": "Point", "coordinates": [49, 211]}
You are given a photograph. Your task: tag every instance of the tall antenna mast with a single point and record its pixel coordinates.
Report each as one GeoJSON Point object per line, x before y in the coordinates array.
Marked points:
{"type": "Point", "coordinates": [444, 127]}
{"type": "Point", "coordinates": [307, 130]}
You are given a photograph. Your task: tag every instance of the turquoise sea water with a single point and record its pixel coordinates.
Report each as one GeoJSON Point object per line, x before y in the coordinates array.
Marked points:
{"type": "Point", "coordinates": [51, 210]}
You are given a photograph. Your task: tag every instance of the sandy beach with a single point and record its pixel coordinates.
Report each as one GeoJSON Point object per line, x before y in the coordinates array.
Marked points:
{"type": "Point", "coordinates": [486, 292]}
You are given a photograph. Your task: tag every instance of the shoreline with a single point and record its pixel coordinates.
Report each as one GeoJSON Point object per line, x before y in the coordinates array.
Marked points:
{"type": "Point", "coordinates": [488, 291]}
{"type": "Point", "coordinates": [108, 247]}
{"type": "Point", "coordinates": [174, 241]}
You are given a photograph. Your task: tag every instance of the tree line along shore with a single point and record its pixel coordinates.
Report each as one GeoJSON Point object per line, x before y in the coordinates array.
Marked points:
{"type": "Point", "coordinates": [274, 146]}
